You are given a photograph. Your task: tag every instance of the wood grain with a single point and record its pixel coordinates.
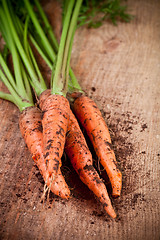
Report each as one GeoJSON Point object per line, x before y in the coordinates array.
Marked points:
{"type": "Point", "coordinates": [119, 67]}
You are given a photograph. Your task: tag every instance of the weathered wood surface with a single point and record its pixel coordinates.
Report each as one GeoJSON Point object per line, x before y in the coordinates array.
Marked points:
{"type": "Point", "coordinates": [119, 67]}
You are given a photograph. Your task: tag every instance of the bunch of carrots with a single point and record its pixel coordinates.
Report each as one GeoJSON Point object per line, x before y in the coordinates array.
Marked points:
{"type": "Point", "coordinates": [50, 126]}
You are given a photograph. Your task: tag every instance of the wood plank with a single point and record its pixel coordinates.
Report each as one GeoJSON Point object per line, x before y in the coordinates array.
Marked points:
{"type": "Point", "coordinates": [119, 67]}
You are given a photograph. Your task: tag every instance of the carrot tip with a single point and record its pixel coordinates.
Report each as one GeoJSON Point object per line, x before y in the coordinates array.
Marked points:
{"type": "Point", "coordinates": [110, 211]}
{"type": "Point", "coordinates": [116, 194]}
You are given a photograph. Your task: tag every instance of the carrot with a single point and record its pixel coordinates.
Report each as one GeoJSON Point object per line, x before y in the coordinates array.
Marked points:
{"type": "Point", "coordinates": [91, 119]}
{"type": "Point", "coordinates": [25, 69]}
{"type": "Point", "coordinates": [55, 108]}
{"type": "Point", "coordinates": [77, 150]}
{"type": "Point", "coordinates": [55, 119]}
{"type": "Point", "coordinates": [31, 130]}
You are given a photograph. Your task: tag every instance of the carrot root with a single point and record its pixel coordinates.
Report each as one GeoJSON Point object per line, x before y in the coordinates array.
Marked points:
{"type": "Point", "coordinates": [31, 130]}
{"type": "Point", "coordinates": [91, 119]}
{"type": "Point", "coordinates": [77, 150]}
{"type": "Point", "coordinates": [55, 119]}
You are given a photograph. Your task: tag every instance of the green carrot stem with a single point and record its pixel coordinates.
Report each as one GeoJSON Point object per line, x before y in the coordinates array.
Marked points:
{"type": "Point", "coordinates": [36, 42]}
{"type": "Point", "coordinates": [26, 84]}
{"type": "Point", "coordinates": [41, 40]}
{"type": "Point", "coordinates": [74, 82]}
{"type": "Point", "coordinates": [20, 103]}
{"type": "Point", "coordinates": [17, 64]}
{"type": "Point", "coordinates": [65, 7]}
{"type": "Point", "coordinates": [7, 96]}
{"type": "Point", "coordinates": [41, 80]}
{"type": "Point", "coordinates": [16, 61]}
{"type": "Point", "coordinates": [7, 72]}
{"type": "Point", "coordinates": [47, 24]}
{"type": "Point", "coordinates": [69, 42]}
{"type": "Point", "coordinates": [18, 74]}
{"type": "Point", "coordinates": [43, 37]}
{"type": "Point", "coordinates": [68, 63]}
{"type": "Point", "coordinates": [39, 89]}
{"type": "Point", "coordinates": [58, 80]}
{"type": "Point", "coordinates": [30, 54]}
{"type": "Point", "coordinates": [41, 52]}
{"type": "Point", "coordinates": [25, 36]}
{"type": "Point", "coordinates": [19, 77]}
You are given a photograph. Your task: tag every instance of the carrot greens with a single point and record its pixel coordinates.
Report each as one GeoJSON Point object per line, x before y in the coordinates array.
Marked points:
{"type": "Point", "coordinates": [64, 52]}
{"type": "Point", "coordinates": [17, 82]}
{"type": "Point", "coordinates": [93, 13]}
{"type": "Point", "coordinates": [11, 27]}
{"type": "Point", "coordinates": [43, 38]}
{"type": "Point", "coordinates": [47, 47]}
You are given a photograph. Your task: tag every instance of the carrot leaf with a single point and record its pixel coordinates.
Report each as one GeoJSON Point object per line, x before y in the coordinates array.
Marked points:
{"type": "Point", "coordinates": [93, 13]}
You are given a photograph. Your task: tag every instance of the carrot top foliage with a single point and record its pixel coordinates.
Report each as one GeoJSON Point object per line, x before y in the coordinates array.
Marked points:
{"type": "Point", "coordinates": [91, 13]}
{"type": "Point", "coordinates": [94, 12]}
{"type": "Point", "coordinates": [25, 68]}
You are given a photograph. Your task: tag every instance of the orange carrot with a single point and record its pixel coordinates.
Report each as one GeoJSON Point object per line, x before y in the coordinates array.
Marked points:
{"type": "Point", "coordinates": [55, 117]}
{"type": "Point", "coordinates": [91, 119]}
{"type": "Point", "coordinates": [31, 129]}
{"type": "Point", "coordinates": [77, 150]}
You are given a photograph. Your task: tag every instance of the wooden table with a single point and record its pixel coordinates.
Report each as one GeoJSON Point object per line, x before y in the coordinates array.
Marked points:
{"type": "Point", "coordinates": [119, 67]}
